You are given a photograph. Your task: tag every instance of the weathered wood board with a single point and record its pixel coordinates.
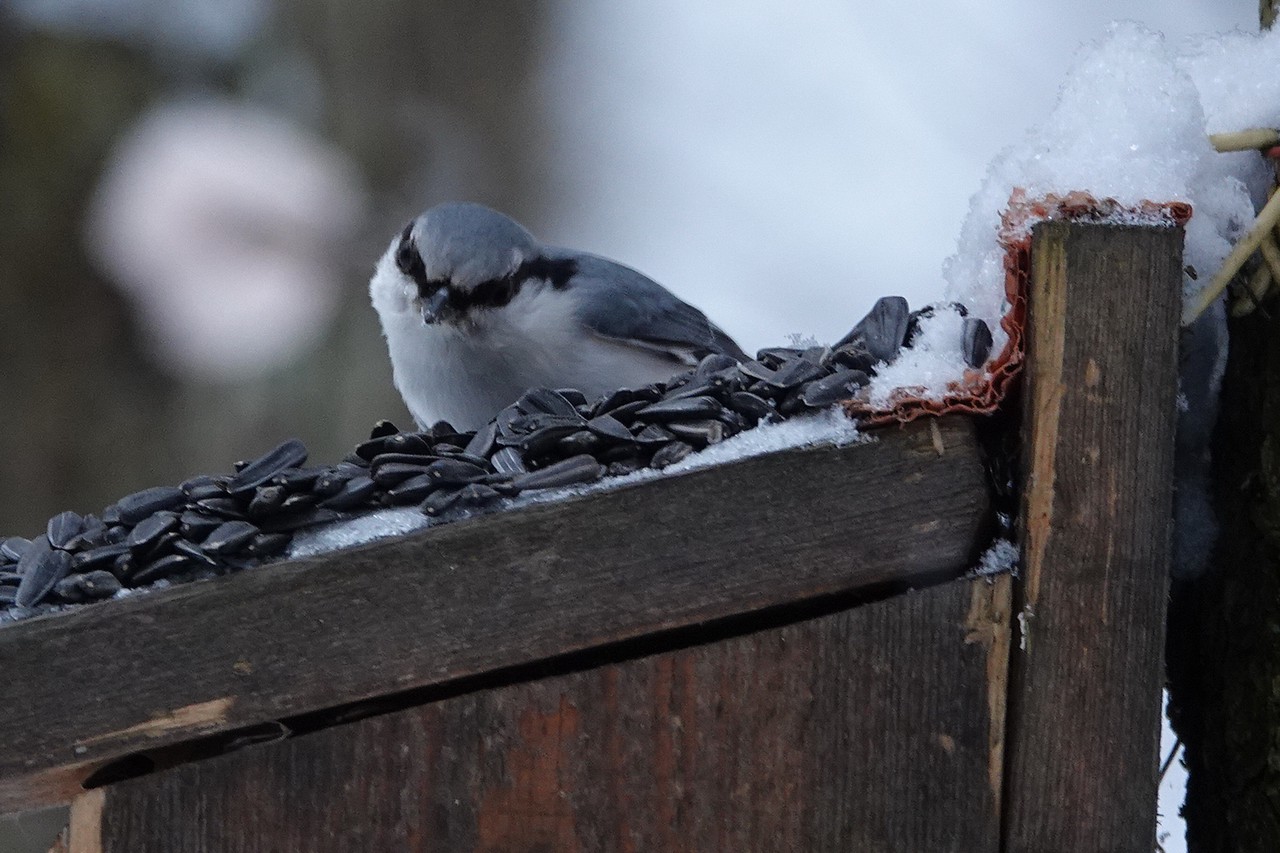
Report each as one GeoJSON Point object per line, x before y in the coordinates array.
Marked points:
{"type": "Point", "coordinates": [86, 688]}
{"type": "Point", "coordinates": [878, 728]}
{"type": "Point", "coordinates": [1097, 507]}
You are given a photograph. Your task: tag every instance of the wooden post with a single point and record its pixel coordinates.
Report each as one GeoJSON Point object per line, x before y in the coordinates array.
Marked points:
{"type": "Point", "coordinates": [1084, 712]}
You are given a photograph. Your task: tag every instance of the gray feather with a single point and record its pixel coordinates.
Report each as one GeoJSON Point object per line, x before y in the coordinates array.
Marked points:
{"type": "Point", "coordinates": [618, 302]}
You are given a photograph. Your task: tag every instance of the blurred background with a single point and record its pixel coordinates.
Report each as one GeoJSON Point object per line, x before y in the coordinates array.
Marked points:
{"type": "Point", "coordinates": [194, 192]}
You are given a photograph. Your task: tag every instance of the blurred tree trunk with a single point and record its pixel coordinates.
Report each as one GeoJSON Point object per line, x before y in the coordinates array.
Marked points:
{"type": "Point", "coordinates": [1224, 629]}
{"type": "Point", "coordinates": [432, 99]}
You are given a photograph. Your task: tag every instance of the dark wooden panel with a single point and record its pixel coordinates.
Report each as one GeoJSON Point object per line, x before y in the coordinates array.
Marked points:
{"type": "Point", "coordinates": [1085, 706]}
{"type": "Point", "coordinates": [82, 688]}
{"type": "Point", "coordinates": [874, 729]}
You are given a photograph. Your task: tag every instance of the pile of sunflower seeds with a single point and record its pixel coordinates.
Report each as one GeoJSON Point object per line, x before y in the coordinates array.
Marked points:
{"type": "Point", "coordinates": [211, 525]}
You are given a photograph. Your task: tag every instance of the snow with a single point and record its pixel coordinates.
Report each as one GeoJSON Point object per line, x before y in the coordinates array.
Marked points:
{"type": "Point", "coordinates": [1000, 558]}
{"type": "Point", "coordinates": [1130, 124]}
{"type": "Point", "coordinates": [1171, 829]}
{"type": "Point", "coordinates": [933, 362]}
{"type": "Point", "coordinates": [357, 531]}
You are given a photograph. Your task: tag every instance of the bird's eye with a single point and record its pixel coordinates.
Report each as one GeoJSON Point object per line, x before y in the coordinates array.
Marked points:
{"type": "Point", "coordinates": [408, 261]}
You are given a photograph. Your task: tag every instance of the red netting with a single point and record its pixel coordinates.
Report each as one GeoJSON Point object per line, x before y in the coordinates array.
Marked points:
{"type": "Point", "coordinates": [982, 390]}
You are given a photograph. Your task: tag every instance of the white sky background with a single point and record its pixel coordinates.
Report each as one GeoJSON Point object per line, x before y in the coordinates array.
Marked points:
{"type": "Point", "coordinates": [783, 165]}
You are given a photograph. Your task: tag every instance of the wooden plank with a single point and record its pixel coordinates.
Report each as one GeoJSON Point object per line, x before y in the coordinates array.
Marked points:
{"type": "Point", "coordinates": [872, 729]}
{"type": "Point", "coordinates": [83, 688]}
{"type": "Point", "coordinates": [1100, 413]}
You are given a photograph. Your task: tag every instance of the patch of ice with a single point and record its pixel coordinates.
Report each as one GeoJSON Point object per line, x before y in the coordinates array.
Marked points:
{"type": "Point", "coordinates": [1000, 558]}
{"type": "Point", "coordinates": [356, 531]}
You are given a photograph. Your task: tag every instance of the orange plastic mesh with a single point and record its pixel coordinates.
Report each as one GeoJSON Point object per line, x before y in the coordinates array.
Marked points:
{"type": "Point", "coordinates": [982, 389]}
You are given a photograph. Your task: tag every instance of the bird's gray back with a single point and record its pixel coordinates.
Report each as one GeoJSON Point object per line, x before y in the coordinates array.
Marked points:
{"type": "Point", "coordinates": [615, 301]}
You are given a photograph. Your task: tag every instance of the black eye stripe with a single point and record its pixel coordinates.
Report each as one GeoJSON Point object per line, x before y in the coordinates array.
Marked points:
{"type": "Point", "coordinates": [409, 261]}
{"type": "Point", "coordinates": [498, 292]}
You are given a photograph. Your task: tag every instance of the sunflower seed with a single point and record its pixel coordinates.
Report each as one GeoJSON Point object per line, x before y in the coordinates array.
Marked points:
{"type": "Point", "coordinates": [621, 469]}
{"type": "Point", "coordinates": [576, 469]}
{"type": "Point", "coordinates": [582, 441]}
{"type": "Point", "coordinates": [409, 442]}
{"type": "Point", "coordinates": [795, 373]}
{"type": "Point", "coordinates": [137, 506]}
{"type": "Point", "coordinates": [575, 397]}
{"type": "Point", "coordinates": [439, 501]}
{"type": "Point", "coordinates": [699, 433]}
{"type": "Point", "coordinates": [194, 551]}
{"type": "Point", "coordinates": [161, 569]}
{"type": "Point", "coordinates": [355, 492]}
{"type": "Point", "coordinates": [607, 426]}
{"type": "Point", "coordinates": [225, 507]}
{"type": "Point", "coordinates": [623, 397]}
{"type": "Point", "coordinates": [749, 405]}
{"type": "Point", "coordinates": [413, 489]}
{"type": "Point", "coordinates": [654, 434]}
{"type": "Point", "coordinates": [64, 527]}
{"type": "Point", "coordinates": [713, 364]}
{"type": "Point", "coordinates": [93, 535]}
{"type": "Point", "coordinates": [690, 408]}
{"type": "Point", "coordinates": [92, 586]}
{"type": "Point", "coordinates": [883, 330]}
{"type": "Point", "coordinates": [508, 461]}
{"type": "Point", "coordinates": [149, 531]}
{"type": "Point", "coordinates": [14, 547]}
{"type": "Point", "coordinates": [288, 454]}
{"type": "Point", "coordinates": [41, 567]}
{"type": "Point", "coordinates": [546, 401]}
{"type": "Point", "coordinates": [387, 474]}
{"type": "Point", "coordinates": [757, 370]}
{"type": "Point", "coordinates": [454, 472]}
{"type": "Point", "coordinates": [382, 429]}
{"type": "Point", "coordinates": [484, 439]}
{"type": "Point", "coordinates": [975, 341]}
{"type": "Point", "coordinates": [196, 525]}
{"type": "Point", "coordinates": [775, 357]}
{"type": "Point", "coordinates": [266, 500]}
{"type": "Point", "coordinates": [268, 544]}
{"type": "Point", "coordinates": [476, 494]}
{"type": "Point", "coordinates": [671, 454]}
{"type": "Point", "coordinates": [229, 537]}
{"type": "Point", "coordinates": [306, 518]}
{"type": "Point", "coordinates": [330, 482]}
{"type": "Point", "coordinates": [841, 385]}
{"type": "Point", "coordinates": [626, 413]}
{"type": "Point", "coordinates": [298, 479]}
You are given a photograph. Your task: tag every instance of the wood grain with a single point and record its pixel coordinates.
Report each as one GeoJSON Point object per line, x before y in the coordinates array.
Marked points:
{"type": "Point", "coordinates": [1100, 413]}
{"type": "Point", "coordinates": [83, 688]}
{"type": "Point", "coordinates": [866, 730]}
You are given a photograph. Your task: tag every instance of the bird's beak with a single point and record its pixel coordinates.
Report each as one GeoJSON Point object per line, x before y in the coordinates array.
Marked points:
{"type": "Point", "coordinates": [433, 305]}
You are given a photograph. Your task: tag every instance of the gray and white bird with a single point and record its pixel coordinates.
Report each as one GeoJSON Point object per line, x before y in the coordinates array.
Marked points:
{"type": "Point", "coordinates": [476, 312]}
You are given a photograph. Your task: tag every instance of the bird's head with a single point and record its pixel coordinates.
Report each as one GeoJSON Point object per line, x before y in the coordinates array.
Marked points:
{"type": "Point", "coordinates": [453, 258]}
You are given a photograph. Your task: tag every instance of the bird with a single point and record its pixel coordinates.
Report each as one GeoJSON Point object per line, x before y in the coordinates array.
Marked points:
{"type": "Point", "coordinates": [476, 311]}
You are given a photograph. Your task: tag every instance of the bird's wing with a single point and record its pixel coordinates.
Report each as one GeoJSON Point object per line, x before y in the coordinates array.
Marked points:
{"type": "Point", "coordinates": [622, 304]}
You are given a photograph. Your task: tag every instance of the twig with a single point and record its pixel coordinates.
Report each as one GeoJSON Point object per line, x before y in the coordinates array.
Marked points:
{"type": "Point", "coordinates": [1246, 246]}
{"type": "Point", "coordinates": [1245, 140]}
